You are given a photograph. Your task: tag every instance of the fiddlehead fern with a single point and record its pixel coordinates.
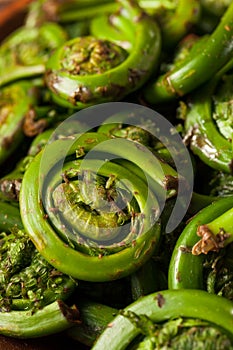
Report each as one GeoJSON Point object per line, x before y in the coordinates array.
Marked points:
{"type": "Point", "coordinates": [99, 216]}
{"type": "Point", "coordinates": [24, 53]}
{"type": "Point", "coordinates": [81, 81]}
{"type": "Point", "coordinates": [175, 18]}
{"type": "Point", "coordinates": [208, 121]}
{"type": "Point", "coordinates": [197, 68]}
{"type": "Point", "coordinates": [169, 319]}
{"type": "Point", "coordinates": [15, 102]}
{"type": "Point", "coordinates": [213, 225]}
{"type": "Point", "coordinates": [176, 22]}
{"type": "Point", "coordinates": [28, 282]}
{"type": "Point", "coordinates": [31, 290]}
{"type": "Point", "coordinates": [216, 234]}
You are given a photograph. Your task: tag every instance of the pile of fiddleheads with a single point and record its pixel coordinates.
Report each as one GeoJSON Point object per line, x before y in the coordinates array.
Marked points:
{"type": "Point", "coordinates": [116, 174]}
{"type": "Point", "coordinates": [32, 291]}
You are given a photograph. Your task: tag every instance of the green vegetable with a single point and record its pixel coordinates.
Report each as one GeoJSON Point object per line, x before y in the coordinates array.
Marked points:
{"type": "Point", "coordinates": [94, 318]}
{"type": "Point", "coordinates": [177, 23]}
{"type": "Point", "coordinates": [144, 318]}
{"type": "Point", "coordinates": [28, 282]}
{"type": "Point", "coordinates": [31, 290]}
{"type": "Point", "coordinates": [197, 68]}
{"type": "Point", "coordinates": [215, 234]}
{"type": "Point", "coordinates": [88, 70]}
{"type": "Point", "coordinates": [88, 206]}
{"type": "Point", "coordinates": [16, 100]}
{"type": "Point", "coordinates": [186, 269]}
{"type": "Point", "coordinates": [175, 19]}
{"type": "Point", "coordinates": [72, 14]}
{"type": "Point", "coordinates": [53, 318]}
{"type": "Point", "coordinates": [208, 121]}
{"type": "Point", "coordinates": [177, 334]}
{"type": "Point", "coordinates": [24, 52]}
{"type": "Point", "coordinates": [106, 242]}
